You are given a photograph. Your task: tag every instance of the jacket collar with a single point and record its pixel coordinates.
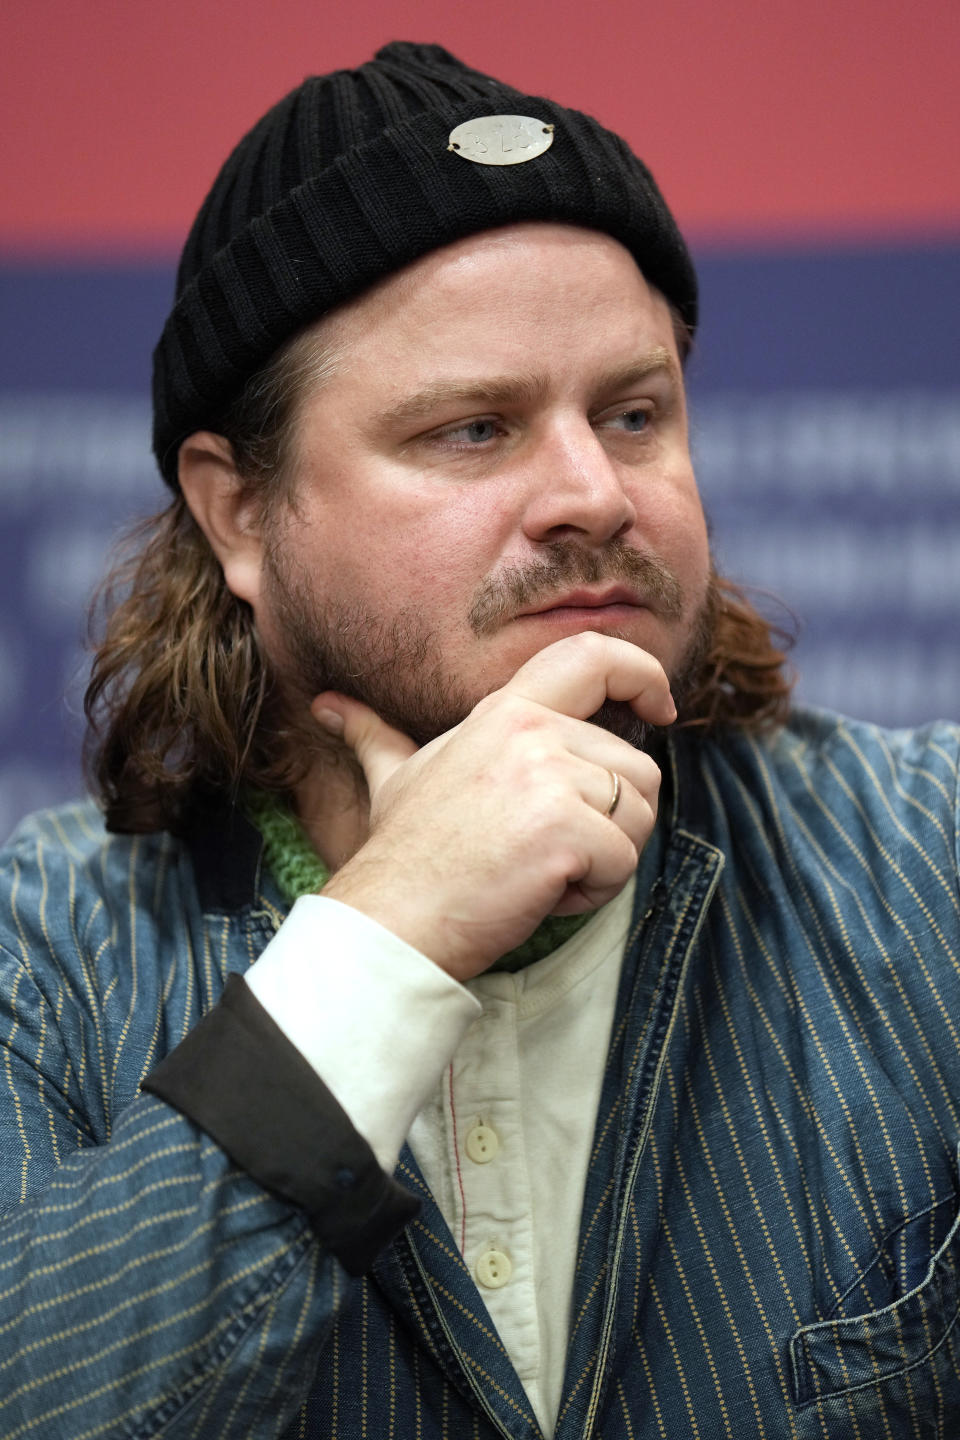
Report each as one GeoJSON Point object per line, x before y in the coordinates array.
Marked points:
{"type": "Point", "coordinates": [226, 849]}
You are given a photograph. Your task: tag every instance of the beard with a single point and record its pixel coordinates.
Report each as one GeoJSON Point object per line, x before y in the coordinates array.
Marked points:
{"type": "Point", "coordinates": [397, 668]}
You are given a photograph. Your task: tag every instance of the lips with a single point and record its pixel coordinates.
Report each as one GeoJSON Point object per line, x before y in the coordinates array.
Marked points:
{"type": "Point", "coordinates": [584, 599]}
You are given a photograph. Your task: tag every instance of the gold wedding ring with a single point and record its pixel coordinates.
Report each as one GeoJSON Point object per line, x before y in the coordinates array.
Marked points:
{"type": "Point", "coordinates": [615, 794]}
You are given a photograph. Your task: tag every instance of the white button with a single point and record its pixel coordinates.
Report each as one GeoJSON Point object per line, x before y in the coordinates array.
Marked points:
{"type": "Point", "coordinates": [494, 1269]}
{"type": "Point", "coordinates": [482, 1144]}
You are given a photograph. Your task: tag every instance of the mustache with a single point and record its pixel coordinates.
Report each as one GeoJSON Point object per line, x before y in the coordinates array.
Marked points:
{"type": "Point", "coordinates": [567, 563]}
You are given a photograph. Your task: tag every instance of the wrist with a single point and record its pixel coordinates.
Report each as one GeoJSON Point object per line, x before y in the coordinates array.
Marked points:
{"type": "Point", "coordinates": [401, 906]}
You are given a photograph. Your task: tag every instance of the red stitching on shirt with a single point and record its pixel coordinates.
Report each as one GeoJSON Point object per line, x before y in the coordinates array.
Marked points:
{"type": "Point", "coordinates": [456, 1151]}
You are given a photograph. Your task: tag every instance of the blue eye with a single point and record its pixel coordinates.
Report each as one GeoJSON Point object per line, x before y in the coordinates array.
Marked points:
{"type": "Point", "coordinates": [479, 431]}
{"type": "Point", "coordinates": [470, 435]}
{"type": "Point", "coordinates": [632, 421]}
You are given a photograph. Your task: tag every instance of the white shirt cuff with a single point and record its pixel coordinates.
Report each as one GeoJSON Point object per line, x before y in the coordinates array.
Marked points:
{"type": "Point", "coordinates": [377, 1020]}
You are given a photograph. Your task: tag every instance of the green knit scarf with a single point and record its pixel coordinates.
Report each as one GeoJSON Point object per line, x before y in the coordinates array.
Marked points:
{"type": "Point", "coordinates": [298, 870]}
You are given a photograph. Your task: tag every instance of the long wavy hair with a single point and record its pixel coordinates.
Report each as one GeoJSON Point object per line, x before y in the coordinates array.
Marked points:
{"type": "Point", "coordinates": [182, 699]}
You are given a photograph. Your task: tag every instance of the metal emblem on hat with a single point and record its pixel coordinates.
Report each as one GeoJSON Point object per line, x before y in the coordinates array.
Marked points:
{"type": "Point", "coordinates": [501, 139]}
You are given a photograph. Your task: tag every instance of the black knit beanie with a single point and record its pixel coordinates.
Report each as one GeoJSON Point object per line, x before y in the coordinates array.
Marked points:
{"type": "Point", "coordinates": [352, 176]}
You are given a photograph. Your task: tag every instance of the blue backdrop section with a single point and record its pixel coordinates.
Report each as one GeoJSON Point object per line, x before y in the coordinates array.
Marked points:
{"type": "Point", "coordinates": [826, 430]}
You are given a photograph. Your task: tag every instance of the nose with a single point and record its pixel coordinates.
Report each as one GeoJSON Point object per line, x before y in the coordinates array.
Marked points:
{"type": "Point", "coordinates": [575, 490]}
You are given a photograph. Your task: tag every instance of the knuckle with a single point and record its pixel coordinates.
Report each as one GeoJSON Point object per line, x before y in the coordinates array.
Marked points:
{"type": "Point", "coordinates": [590, 643]}
{"type": "Point", "coordinates": [563, 865]}
{"type": "Point", "coordinates": [515, 713]}
{"type": "Point", "coordinates": [642, 826]}
{"type": "Point", "coordinates": [523, 720]}
{"type": "Point", "coordinates": [494, 701]}
{"type": "Point", "coordinates": [624, 852]}
{"type": "Point", "coordinates": [652, 776]}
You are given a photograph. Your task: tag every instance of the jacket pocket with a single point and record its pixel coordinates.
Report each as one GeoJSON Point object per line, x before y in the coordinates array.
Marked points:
{"type": "Point", "coordinates": [837, 1357]}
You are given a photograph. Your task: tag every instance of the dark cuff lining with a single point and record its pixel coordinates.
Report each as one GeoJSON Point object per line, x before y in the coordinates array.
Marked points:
{"type": "Point", "coordinates": [239, 1078]}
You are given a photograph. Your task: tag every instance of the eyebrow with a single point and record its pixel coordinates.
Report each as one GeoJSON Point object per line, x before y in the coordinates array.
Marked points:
{"type": "Point", "coordinates": [520, 389]}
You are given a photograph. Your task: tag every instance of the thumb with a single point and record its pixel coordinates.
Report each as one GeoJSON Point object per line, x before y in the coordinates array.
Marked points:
{"type": "Point", "coordinates": [379, 748]}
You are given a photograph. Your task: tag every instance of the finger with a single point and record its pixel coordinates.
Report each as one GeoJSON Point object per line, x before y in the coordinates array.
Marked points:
{"type": "Point", "coordinates": [576, 674]}
{"type": "Point", "coordinates": [635, 810]}
{"type": "Point", "coordinates": [611, 855]}
{"type": "Point", "coordinates": [610, 753]}
{"type": "Point", "coordinates": [379, 748]}
{"type": "Point", "coordinates": [615, 796]}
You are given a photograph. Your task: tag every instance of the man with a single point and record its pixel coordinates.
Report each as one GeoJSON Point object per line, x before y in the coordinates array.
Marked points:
{"type": "Point", "coordinates": [649, 982]}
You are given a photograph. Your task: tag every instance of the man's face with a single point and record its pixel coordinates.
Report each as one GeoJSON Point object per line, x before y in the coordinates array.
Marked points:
{"type": "Point", "coordinates": [499, 459]}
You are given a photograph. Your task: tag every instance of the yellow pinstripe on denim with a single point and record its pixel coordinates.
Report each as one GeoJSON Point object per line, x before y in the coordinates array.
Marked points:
{"type": "Point", "coordinates": [769, 1244]}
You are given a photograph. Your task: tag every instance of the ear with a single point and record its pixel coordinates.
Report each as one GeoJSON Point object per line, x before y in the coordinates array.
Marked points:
{"type": "Point", "coordinates": [223, 509]}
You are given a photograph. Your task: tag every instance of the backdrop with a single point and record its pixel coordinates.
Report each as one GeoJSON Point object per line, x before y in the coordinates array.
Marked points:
{"type": "Point", "coordinates": [809, 151]}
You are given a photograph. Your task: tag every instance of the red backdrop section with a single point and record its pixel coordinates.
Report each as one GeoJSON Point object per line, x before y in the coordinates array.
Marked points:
{"type": "Point", "coordinates": [781, 118]}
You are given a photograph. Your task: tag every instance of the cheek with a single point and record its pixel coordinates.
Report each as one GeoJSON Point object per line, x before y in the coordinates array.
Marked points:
{"type": "Point", "coordinates": [693, 544]}
{"type": "Point", "coordinates": [677, 529]}
{"type": "Point", "coordinates": [385, 538]}
{"type": "Point", "coordinates": [414, 561]}
{"type": "Point", "coordinates": [439, 547]}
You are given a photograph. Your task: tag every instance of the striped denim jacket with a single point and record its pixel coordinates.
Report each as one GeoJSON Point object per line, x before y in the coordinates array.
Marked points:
{"type": "Point", "coordinates": [770, 1239]}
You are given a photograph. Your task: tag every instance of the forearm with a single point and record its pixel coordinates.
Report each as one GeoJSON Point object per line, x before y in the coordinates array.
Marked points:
{"type": "Point", "coordinates": [192, 1262]}
{"type": "Point", "coordinates": [373, 1018]}
{"type": "Point", "coordinates": [153, 1283]}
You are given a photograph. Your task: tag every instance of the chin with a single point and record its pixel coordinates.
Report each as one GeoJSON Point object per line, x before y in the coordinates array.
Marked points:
{"type": "Point", "coordinates": [619, 719]}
